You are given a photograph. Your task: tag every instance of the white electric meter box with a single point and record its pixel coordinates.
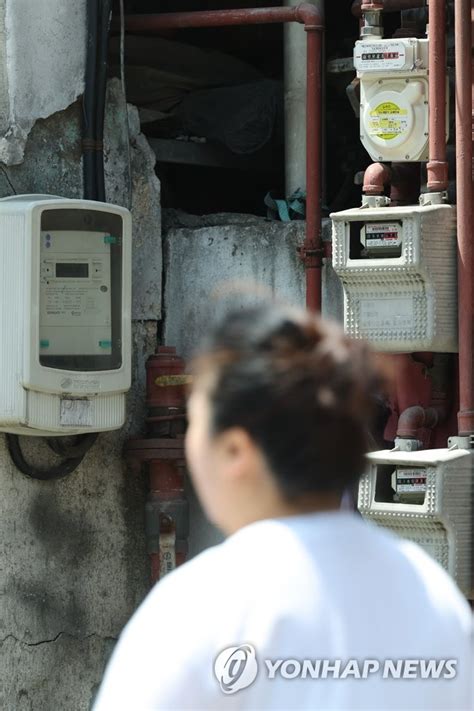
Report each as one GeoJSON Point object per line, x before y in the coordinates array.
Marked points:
{"type": "Point", "coordinates": [394, 107]}
{"type": "Point", "coordinates": [65, 315]}
{"type": "Point", "coordinates": [398, 269]}
{"type": "Point", "coordinates": [426, 497]}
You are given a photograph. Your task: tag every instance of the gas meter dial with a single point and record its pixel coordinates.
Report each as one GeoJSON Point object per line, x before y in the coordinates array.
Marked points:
{"type": "Point", "coordinates": [394, 113]}
{"type": "Point", "coordinates": [398, 269]}
{"type": "Point", "coordinates": [426, 497]}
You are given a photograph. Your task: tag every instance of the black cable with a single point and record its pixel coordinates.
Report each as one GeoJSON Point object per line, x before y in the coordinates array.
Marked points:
{"type": "Point", "coordinates": [89, 103]}
{"type": "Point", "coordinates": [65, 467]}
{"type": "Point", "coordinates": [62, 447]}
{"type": "Point", "coordinates": [105, 16]}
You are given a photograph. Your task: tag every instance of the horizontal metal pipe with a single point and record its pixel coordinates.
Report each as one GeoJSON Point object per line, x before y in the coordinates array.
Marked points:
{"type": "Point", "coordinates": [304, 13]}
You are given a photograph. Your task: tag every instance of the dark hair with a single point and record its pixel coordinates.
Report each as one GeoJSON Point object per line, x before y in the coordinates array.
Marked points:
{"type": "Point", "coordinates": [300, 387]}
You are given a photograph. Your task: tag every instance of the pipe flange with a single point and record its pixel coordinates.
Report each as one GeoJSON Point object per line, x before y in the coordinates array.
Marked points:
{"type": "Point", "coordinates": [440, 198]}
{"type": "Point", "coordinates": [375, 201]}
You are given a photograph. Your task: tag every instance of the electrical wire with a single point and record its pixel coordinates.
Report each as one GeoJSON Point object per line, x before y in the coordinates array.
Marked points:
{"type": "Point", "coordinates": [58, 471]}
{"type": "Point", "coordinates": [105, 17]}
{"type": "Point", "coordinates": [124, 93]}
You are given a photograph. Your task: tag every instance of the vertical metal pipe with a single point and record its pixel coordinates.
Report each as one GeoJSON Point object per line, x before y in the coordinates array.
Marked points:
{"type": "Point", "coordinates": [437, 167]}
{"type": "Point", "coordinates": [313, 256]}
{"type": "Point", "coordinates": [464, 108]}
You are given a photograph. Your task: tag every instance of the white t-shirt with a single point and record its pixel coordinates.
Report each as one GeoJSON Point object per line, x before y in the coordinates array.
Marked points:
{"type": "Point", "coordinates": [301, 597]}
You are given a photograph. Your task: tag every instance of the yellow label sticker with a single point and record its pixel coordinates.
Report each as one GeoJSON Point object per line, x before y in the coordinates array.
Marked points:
{"type": "Point", "coordinates": [387, 121]}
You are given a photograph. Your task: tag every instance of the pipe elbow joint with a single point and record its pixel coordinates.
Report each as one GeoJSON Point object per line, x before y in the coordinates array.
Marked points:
{"type": "Point", "coordinates": [376, 177]}
{"type": "Point", "coordinates": [410, 421]}
{"type": "Point", "coordinates": [311, 15]}
{"type": "Point", "coordinates": [416, 417]}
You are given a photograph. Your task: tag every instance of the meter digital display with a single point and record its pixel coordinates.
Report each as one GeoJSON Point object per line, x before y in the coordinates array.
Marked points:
{"type": "Point", "coordinates": [80, 290]}
{"type": "Point", "coordinates": [72, 270]}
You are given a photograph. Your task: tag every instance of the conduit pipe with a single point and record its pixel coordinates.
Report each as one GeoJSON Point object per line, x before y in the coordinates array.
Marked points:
{"type": "Point", "coordinates": [437, 168]}
{"type": "Point", "coordinates": [312, 17]}
{"type": "Point", "coordinates": [464, 113]}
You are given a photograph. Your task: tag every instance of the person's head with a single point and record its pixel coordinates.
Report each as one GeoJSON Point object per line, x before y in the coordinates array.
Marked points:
{"type": "Point", "coordinates": [279, 413]}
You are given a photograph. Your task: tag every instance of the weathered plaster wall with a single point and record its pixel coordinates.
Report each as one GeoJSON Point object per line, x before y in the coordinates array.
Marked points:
{"type": "Point", "coordinates": [217, 262]}
{"type": "Point", "coordinates": [42, 52]}
{"type": "Point", "coordinates": [73, 564]}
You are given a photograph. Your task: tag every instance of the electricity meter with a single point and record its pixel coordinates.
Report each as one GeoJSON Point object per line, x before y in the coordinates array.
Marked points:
{"type": "Point", "coordinates": [393, 77]}
{"type": "Point", "coordinates": [398, 269]}
{"type": "Point", "coordinates": [426, 497]}
{"type": "Point", "coordinates": [65, 315]}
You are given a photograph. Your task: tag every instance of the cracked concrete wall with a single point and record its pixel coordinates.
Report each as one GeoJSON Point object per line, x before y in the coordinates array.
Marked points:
{"type": "Point", "coordinates": [216, 262]}
{"type": "Point", "coordinates": [42, 58]}
{"type": "Point", "coordinates": [73, 563]}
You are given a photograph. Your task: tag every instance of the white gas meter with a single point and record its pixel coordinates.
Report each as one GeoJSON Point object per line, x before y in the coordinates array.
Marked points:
{"type": "Point", "coordinates": [398, 269]}
{"type": "Point", "coordinates": [426, 497]}
{"type": "Point", "coordinates": [65, 315]}
{"type": "Point", "coordinates": [393, 77]}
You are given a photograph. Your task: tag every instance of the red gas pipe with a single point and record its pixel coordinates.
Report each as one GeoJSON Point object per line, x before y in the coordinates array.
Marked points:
{"type": "Point", "coordinates": [312, 17]}
{"type": "Point", "coordinates": [437, 167]}
{"type": "Point", "coordinates": [464, 113]}
{"type": "Point", "coordinates": [162, 451]}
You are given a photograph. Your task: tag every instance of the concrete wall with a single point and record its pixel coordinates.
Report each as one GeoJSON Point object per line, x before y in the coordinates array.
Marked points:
{"type": "Point", "coordinates": [42, 49]}
{"type": "Point", "coordinates": [217, 262]}
{"type": "Point", "coordinates": [73, 565]}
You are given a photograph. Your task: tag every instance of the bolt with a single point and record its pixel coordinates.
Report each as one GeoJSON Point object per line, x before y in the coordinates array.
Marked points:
{"type": "Point", "coordinates": [407, 157]}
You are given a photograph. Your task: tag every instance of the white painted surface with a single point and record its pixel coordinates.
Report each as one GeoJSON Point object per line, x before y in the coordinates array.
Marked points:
{"type": "Point", "coordinates": [43, 44]}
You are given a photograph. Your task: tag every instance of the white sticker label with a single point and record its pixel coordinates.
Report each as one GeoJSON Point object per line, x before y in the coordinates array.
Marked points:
{"type": "Point", "coordinates": [387, 121]}
{"type": "Point", "coordinates": [75, 413]}
{"type": "Point", "coordinates": [388, 313]}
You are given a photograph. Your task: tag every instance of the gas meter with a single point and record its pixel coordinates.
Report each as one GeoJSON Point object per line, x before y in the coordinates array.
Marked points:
{"type": "Point", "coordinates": [65, 315]}
{"type": "Point", "coordinates": [393, 77]}
{"type": "Point", "coordinates": [426, 497]}
{"type": "Point", "coordinates": [398, 269]}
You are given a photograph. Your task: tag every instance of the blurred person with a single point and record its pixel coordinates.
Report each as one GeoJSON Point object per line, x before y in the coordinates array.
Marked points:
{"type": "Point", "coordinates": [279, 414]}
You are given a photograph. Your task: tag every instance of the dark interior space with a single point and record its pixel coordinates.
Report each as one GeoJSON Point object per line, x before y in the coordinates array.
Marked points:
{"type": "Point", "coordinates": [219, 131]}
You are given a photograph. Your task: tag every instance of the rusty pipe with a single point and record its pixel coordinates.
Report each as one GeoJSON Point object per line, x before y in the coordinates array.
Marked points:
{"type": "Point", "coordinates": [437, 168]}
{"type": "Point", "coordinates": [389, 6]}
{"type": "Point", "coordinates": [376, 177]}
{"type": "Point", "coordinates": [464, 113]}
{"type": "Point", "coordinates": [312, 17]}
{"type": "Point", "coordinates": [306, 14]}
{"type": "Point", "coordinates": [417, 417]}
